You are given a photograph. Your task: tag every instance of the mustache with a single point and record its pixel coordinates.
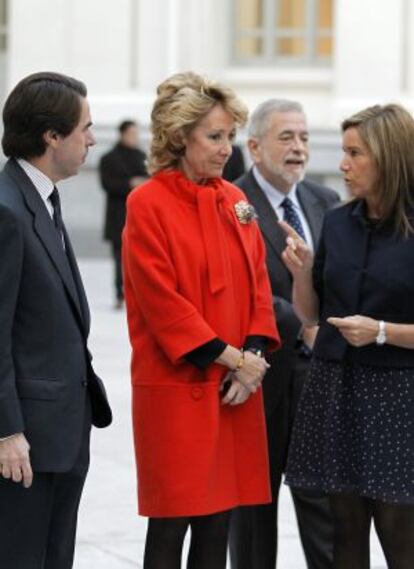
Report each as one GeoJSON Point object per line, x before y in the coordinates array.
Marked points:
{"type": "Point", "coordinates": [298, 158]}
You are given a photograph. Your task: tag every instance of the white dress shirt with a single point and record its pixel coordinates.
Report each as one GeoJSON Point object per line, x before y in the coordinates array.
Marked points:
{"type": "Point", "coordinates": [276, 198]}
{"type": "Point", "coordinates": [41, 182]}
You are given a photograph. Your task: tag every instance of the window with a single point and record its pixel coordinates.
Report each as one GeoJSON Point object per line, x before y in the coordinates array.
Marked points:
{"type": "Point", "coordinates": [286, 31]}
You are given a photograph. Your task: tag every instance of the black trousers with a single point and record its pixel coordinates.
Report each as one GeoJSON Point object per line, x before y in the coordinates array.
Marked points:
{"type": "Point", "coordinates": [38, 524]}
{"type": "Point", "coordinates": [253, 533]}
{"type": "Point", "coordinates": [254, 529]}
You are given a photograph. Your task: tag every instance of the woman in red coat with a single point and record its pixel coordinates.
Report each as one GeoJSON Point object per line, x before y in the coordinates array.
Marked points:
{"type": "Point", "coordinates": [200, 317]}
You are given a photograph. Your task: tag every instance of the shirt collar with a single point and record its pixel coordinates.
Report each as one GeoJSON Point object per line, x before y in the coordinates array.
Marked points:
{"type": "Point", "coordinates": [41, 182]}
{"type": "Point", "coordinates": [274, 195]}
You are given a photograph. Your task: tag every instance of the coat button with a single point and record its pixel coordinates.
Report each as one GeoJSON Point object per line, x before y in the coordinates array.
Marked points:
{"type": "Point", "coordinates": [85, 383]}
{"type": "Point", "coordinates": [197, 393]}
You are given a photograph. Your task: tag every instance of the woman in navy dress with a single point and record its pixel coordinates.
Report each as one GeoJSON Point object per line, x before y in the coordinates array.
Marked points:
{"type": "Point", "coordinates": [354, 431]}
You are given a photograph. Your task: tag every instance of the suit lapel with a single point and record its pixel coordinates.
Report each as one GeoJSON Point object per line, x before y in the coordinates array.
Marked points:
{"type": "Point", "coordinates": [312, 209]}
{"type": "Point", "coordinates": [78, 281]}
{"type": "Point", "coordinates": [45, 230]}
{"type": "Point", "coordinates": [268, 219]}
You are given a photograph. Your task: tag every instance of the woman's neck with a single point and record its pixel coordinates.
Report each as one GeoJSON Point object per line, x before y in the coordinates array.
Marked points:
{"type": "Point", "coordinates": [191, 175]}
{"type": "Point", "coordinates": [373, 208]}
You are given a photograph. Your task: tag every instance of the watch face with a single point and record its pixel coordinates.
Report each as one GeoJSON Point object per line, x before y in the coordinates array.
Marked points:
{"type": "Point", "coordinates": [256, 351]}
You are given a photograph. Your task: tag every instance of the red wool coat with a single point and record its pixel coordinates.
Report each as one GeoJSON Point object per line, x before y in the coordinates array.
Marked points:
{"type": "Point", "coordinates": [193, 272]}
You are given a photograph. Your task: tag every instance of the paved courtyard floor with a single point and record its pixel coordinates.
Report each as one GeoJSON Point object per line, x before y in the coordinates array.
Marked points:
{"type": "Point", "coordinates": [110, 534]}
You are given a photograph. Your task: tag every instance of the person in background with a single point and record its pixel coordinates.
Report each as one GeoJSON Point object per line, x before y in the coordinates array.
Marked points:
{"type": "Point", "coordinates": [49, 392]}
{"type": "Point", "coordinates": [278, 141]}
{"type": "Point", "coordinates": [120, 170]}
{"type": "Point", "coordinates": [354, 432]}
{"type": "Point", "coordinates": [200, 320]}
{"type": "Point", "coordinates": [235, 166]}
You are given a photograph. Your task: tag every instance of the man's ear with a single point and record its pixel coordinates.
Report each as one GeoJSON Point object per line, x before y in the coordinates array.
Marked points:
{"type": "Point", "coordinates": [253, 145]}
{"type": "Point", "coordinates": [51, 137]}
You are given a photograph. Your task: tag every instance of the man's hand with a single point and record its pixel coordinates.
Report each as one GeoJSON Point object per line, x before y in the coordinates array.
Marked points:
{"type": "Point", "coordinates": [15, 461]}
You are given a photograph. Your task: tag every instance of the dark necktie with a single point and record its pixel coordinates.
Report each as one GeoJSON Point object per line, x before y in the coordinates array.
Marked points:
{"type": "Point", "coordinates": [57, 213]}
{"type": "Point", "coordinates": [292, 218]}
{"type": "Point", "coordinates": [58, 221]}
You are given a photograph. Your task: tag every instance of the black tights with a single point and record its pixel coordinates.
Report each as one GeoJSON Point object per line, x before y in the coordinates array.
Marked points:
{"type": "Point", "coordinates": [394, 524]}
{"type": "Point", "coordinates": [208, 545]}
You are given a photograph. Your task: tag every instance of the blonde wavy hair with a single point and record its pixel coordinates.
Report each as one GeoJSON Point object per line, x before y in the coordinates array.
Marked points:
{"type": "Point", "coordinates": [182, 101]}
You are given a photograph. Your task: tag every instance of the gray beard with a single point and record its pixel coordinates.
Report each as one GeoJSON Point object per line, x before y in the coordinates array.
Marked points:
{"type": "Point", "coordinates": [293, 178]}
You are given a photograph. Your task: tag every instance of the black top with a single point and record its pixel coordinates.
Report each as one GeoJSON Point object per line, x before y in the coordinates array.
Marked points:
{"type": "Point", "coordinates": [363, 268]}
{"type": "Point", "coordinates": [205, 355]}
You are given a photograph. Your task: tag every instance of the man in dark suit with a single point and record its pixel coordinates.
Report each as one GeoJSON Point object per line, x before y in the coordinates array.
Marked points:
{"type": "Point", "coordinates": [278, 144]}
{"type": "Point", "coordinates": [49, 393]}
{"type": "Point", "coordinates": [234, 167]}
{"type": "Point", "coordinates": [120, 170]}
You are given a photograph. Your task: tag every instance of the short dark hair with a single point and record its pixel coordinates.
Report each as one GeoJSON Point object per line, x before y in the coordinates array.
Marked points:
{"type": "Point", "coordinates": [38, 103]}
{"type": "Point", "coordinates": [125, 125]}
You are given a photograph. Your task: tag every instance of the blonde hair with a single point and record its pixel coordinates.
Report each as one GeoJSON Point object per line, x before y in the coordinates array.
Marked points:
{"type": "Point", "coordinates": [388, 133]}
{"type": "Point", "coordinates": [182, 101]}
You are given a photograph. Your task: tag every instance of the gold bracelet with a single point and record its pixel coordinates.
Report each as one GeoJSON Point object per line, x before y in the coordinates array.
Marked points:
{"type": "Point", "coordinates": [240, 363]}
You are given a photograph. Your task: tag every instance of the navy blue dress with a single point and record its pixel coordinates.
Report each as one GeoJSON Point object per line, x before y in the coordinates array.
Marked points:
{"type": "Point", "coordinates": [354, 427]}
{"type": "Point", "coordinates": [354, 432]}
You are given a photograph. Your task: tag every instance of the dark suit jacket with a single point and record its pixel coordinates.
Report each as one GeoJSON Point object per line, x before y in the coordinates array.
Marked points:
{"type": "Point", "coordinates": [45, 366]}
{"type": "Point", "coordinates": [235, 166]}
{"type": "Point", "coordinates": [315, 201]}
{"type": "Point", "coordinates": [116, 168]}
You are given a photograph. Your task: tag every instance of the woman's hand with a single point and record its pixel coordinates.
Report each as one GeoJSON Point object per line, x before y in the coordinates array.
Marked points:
{"type": "Point", "coordinates": [238, 386]}
{"type": "Point", "coordinates": [236, 394]}
{"type": "Point", "coordinates": [308, 335]}
{"type": "Point", "coordinates": [357, 330]}
{"type": "Point", "coordinates": [251, 367]}
{"type": "Point", "coordinates": [252, 372]}
{"type": "Point", "coordinates": [297, 256]}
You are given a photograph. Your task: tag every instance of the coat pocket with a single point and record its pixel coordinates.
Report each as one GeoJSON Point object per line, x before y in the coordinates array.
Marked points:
{"type": "Point", "coordinates": [43, 389]}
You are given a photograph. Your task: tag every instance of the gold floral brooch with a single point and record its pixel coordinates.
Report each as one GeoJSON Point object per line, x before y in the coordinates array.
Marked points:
{"type": "Point", "coordinates": [245, 212]}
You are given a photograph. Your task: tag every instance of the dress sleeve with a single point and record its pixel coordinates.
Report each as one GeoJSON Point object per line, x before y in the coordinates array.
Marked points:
{"type": "Point", "coordinates": [205, 355]}
{"type": "Point", "coordinates": [174, 321]}
{"type": "Point", "coordinates": [256, 343]}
